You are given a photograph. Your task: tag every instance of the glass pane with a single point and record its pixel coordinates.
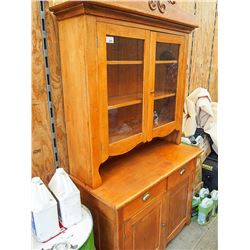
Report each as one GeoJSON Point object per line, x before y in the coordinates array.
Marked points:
{"type": "Point", "coordinates": [166, 78]}
{"type": "Point", "coordinates": [124, 81]}
{"type": "Point", "coordinates": [125, 86]}
{"type": "Point", "coordinates": [124, 122]}
{"type": "Point", "coordinates": [167, 51]}
{"type": "Point", "coordinates": [123, 48]}
{"type": "Point", "coordinates": [164, 111]}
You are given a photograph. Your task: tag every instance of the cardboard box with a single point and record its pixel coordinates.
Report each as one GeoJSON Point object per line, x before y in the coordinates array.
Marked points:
{"type": "Point", "coordinates": [198, 172]}
{"type": "Point", "coordinates": [204, 144]}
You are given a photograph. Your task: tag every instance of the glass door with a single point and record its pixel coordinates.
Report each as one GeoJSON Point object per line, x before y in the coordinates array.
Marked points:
{"type": "Point", "coordinates": [123, 80]}
{"type": "Point", "coordinates": [166, 88]}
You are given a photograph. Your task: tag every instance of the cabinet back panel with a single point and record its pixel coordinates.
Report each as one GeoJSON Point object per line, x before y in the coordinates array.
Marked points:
{"type": "Point", "coordinates": [123, 48]}
{"type": "Point", "coordinates": [124, 79]}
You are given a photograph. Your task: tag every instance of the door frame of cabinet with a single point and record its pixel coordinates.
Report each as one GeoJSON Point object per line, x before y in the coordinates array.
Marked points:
{"type": "Point", "coordinates": [124, 145]}
{"type": "Point", "coordinates": [187, 218]}
{"type": "Point", "coordinates": [128, 225]}
{"type": "Point", "coordinates": [174, 125]}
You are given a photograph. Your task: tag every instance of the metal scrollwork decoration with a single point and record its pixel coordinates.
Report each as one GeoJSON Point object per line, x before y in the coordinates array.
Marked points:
{"type": "Point", "coordinates": [153, 4]}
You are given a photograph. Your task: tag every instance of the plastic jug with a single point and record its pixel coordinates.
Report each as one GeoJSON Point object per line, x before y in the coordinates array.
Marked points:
{"type": "Point", "coordinates": [68, 197]}
{"type": "Point", "coordinates": [195, 203]}
{"type": "Point", "coordinates": [214, 195]}
{"type": "Point", "coordinates": [205, 210]}
{"type": "Point", "coordinates": [44, 214]}
{"type": "Point", "coordinates": [204, 192]}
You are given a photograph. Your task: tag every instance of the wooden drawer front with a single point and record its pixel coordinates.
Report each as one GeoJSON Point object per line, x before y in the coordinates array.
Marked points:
{"type": "Point", "coordinates": [144, 199]}
{"type": "Point", "coordinates": [181, 174]}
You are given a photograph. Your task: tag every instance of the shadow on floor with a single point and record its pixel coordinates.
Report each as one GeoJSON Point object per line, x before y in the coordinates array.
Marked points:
{"type": "Point", "coordinates": [194, 236]}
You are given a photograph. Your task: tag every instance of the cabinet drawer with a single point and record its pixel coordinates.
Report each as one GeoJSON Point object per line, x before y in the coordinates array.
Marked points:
{"type": "Point", "coordinates": [180, 174]}
{"type": "Point", "coordinates": [144, 199]}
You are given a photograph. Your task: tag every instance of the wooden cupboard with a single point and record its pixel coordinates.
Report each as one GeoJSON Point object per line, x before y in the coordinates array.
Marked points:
{"type": "Point", "coordinates": [145, 198]}
{"type": "Point", "coordinates": [123, 73]}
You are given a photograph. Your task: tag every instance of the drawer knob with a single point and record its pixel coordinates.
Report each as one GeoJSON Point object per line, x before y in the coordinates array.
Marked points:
{"type": "Point", "coordinates": [163, 224]}
{"type": "Point", "coordinates": [146, 197]}
{"type": "Point", "coordinates": [183, 170]}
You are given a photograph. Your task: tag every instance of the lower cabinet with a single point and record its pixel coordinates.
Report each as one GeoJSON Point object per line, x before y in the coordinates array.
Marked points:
{"type": "Point", "coordinates": [143, 231]}
{"type": "Point", "coordinates": [149, 221]}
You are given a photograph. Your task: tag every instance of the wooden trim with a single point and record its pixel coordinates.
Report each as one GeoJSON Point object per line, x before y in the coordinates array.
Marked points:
{"type": "Point", "coordinates": [164, 129]}
{"type": "Point", "coordinates": [117, 30]}
{"type": "Point", "coordinates": [137, 10]}
{"type": "Point", "coordinates": [123, 62]}
{"type": "Point", "coordinates": [148, 26]}
{"type": "Point", "coordinates": [125, 145]}
{"type": "Point", "coordinates": [166, 61]}
{"type": "Point", "coordinates": [146, 83]}
{"type": "Point", "coordinates": [162, 95]}
{"type": "Point", "coordinates": [103, 92]}
{"type": "Point", "coordinates": [93, 96]}
{"type": "Point", "coordinates": [151, 86]}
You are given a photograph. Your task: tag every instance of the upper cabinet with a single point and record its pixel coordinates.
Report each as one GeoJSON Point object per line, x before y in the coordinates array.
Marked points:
{"type": "Point", "coordinates": [123, 73]}
{"type": "Point", "coordinates": [140, 74]}
{"type": "Point", "coordinates": [123, 59]}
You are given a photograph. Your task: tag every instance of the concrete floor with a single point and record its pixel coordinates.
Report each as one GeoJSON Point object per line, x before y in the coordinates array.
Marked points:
{"type": "Point", "coordinates": [194, 236]}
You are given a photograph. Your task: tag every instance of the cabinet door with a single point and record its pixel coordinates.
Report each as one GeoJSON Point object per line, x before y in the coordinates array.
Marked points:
{"type": "Point", "coordinates": [179, 201]}
{"type": "Point", "coordinates": [143, 231]}
{"type": "Point", "coordinates": [123, 69]}
{"type": "Point", "coordinates": [167, 73]}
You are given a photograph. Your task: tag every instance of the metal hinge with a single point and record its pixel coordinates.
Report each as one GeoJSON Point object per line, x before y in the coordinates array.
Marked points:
{"type": "Point", "coordinates": [97, 42]}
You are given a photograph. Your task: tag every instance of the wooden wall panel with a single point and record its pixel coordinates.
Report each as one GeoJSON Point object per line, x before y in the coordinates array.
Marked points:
{"type": "Point", "coordinates": [200, 71]}
{"type": "Point", "coordinates": [42, 152]}
{"type": "Point", "coordinates": [213, 82]}
{"type": "Point", "coordinates": [189, 7]}
{"type": "Point", "coordinates": [56, 85]}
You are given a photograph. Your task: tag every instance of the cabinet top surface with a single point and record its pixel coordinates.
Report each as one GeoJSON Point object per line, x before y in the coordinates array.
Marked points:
{"type": "Point", "coordinates": [127, 176]}
{"type": "Point", "coordinates": [164, 10]}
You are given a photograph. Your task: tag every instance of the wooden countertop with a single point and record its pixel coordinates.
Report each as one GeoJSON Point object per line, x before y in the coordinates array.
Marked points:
{"type": "Point", "coordinates": [127, 176]}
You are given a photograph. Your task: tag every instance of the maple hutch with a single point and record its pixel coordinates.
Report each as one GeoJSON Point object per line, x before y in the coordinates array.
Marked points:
{"type": "Point", "coordinates": [123, 72]}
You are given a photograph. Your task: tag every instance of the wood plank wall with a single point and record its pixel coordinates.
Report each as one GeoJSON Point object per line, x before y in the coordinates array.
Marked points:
{"type": "Point", "coordinates": [42, 151]}
{"type": "Point", "coordinates": [201, 72]}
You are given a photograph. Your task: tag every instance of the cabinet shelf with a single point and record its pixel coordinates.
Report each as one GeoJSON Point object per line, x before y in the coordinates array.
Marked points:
{"type": "Point", "coordinates": [124, 101]}
{"type": "Point", "coordinates": [124, 62]}
{"type": "Point", "coordinates": [163, 94]}
{"type": "Point", "coordinates": [166, 61]}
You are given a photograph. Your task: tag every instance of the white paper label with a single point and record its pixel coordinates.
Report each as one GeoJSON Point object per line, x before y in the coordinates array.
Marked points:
{"type": "Point", "coordinates": [109, 39]}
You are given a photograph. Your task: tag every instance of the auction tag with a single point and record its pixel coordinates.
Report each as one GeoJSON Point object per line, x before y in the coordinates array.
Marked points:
{"type": "Point", "coordinates": [109, 39]}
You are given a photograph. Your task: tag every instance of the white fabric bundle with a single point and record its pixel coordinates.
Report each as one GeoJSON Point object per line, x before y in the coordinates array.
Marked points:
{"type": "Point", "coordinates": [200, 112]}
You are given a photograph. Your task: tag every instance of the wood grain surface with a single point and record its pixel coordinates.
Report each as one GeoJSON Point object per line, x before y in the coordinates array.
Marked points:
{"type": "Point", "coordinates": [198, 76]}
{"type": "Point", "coordinates": [42, 152]}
